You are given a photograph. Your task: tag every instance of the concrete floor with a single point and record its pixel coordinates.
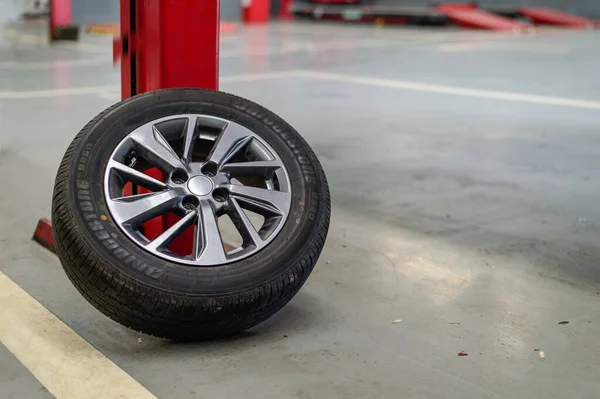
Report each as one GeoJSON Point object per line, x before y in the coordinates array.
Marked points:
{"type": "Point", "coordinates": [471, 215]}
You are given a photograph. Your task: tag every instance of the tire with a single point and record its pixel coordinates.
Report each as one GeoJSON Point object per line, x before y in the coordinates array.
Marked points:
{"type": "Point", "coordinates": [161, 296]}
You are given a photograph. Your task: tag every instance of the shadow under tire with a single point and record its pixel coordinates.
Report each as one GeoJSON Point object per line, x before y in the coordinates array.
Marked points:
{"type": "Point", "coordinates": [104, 247]}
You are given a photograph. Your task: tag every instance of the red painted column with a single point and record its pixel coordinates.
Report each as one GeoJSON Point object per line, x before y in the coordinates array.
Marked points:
{"type": "Point", "coordinates": [61, 12]}
{"type": "Point", "coordinates": [256, 11]}
{"type": "Point", "coordinates": [60, 15]}
{"type": "Point", "coordinates": [168, 44]}
{"type": "Point", "coordinates": [284, 9]}
{"type": "Point", "coordinates": [177, 44]}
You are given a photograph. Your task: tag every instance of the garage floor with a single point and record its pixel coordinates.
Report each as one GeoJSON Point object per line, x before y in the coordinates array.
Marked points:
{"type": "Point", "coordinates": [464, 169]}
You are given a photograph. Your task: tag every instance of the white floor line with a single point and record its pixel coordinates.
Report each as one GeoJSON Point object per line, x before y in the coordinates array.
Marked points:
{"type": "Point", "coordinates": [355, 79]}
{"type": "Point", "coordinates": [252, 77]}
{"type": "Point", "coordinates": [72, 91]}
{"type": "Point", "coordinates": [453, 90]}
{"type": "Point", "coordinates": [67, 365]}
{"type": "Point", "coordinates": [19, 66]}
{"type": "Point", "coordinates": [308, 47]}
{"type": "Point", "coordinates": [497, 46]}
{"type": "Point", "coordinates": [103, 90]}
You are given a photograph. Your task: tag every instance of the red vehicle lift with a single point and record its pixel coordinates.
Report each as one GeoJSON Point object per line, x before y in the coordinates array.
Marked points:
{"type": "Point", "coordinates": [549, 16]}
{"type": "Point", "coordinates": [155, 51]}
{"type": "Point", "coordinates": [470, 16]}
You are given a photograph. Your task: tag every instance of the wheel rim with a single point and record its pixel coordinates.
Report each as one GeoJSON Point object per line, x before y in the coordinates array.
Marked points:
{"type": "Point", "coordinates": [205, 168]}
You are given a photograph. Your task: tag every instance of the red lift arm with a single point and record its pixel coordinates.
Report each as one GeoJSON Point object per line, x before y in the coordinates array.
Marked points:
{"type": "Point", "coordinates": [545, 15]}
{"type": "Point", "coordinates": [468, 15]}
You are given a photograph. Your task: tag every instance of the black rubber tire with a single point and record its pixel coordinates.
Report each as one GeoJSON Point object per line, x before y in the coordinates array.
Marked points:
{"type": "Point", "coordinates": [167, 299]}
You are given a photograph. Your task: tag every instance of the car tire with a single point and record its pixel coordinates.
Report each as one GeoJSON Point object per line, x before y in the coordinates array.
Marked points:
{"type": "Point", "coordinates": [165, 294]}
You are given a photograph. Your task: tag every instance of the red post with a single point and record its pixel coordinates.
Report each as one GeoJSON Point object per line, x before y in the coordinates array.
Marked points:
{"type": "Point", "coordinates": [60, 12]}
{"type": "Point", "coordinates": [59, 25]}
{"type": "Point", "coordinates": [284, 10]}
{"type": "Point", "coordinates": [168, 44]}
{"type": "Point", "coordinates": [256, 11]}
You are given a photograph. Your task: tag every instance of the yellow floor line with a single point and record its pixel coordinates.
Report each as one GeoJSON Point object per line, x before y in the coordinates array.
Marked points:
{"type": "Point", "coordinates": [67, 365]}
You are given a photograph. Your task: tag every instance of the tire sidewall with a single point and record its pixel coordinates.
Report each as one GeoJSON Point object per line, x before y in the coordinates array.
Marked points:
{"type": "Point", "coordinates": [87, 197]}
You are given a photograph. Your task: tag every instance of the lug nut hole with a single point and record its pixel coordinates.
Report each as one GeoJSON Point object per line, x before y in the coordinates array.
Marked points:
{"type": "Point", "coordinates": [220, 195]}
{"type": "Point", "coordinates": [190, 203]}
{"type": "Point", "coordinates": [209, 169]}
{"type": "Point", "coordinates": [179, 176]}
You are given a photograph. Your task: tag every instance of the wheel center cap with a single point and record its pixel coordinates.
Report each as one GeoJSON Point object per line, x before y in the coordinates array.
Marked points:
{"type": "Point", "coordinates": [200, 185]}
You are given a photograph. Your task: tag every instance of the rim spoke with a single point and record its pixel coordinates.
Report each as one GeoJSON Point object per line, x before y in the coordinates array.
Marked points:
{"type": "Point", "coordinates": [208, 246]}
{"type": "Point", "coordinates": [162, 241]}
{"type": "Point", "coordinates": [157, 150]}
{"type": "Point", "coordinates": [137, 209]}
{"type": "Point", "coordinates": [243, 224]}
{"type": "Point", "coordinates": [191, 134]}
{"type": "Point", "coordinates": [253, 168]}
{"type": "Point", "coordinates": [137, 177]}
{"type": "Point", "coordinates": [233, 138]}
{"type": "Point", "coordinates": [272, 201]}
